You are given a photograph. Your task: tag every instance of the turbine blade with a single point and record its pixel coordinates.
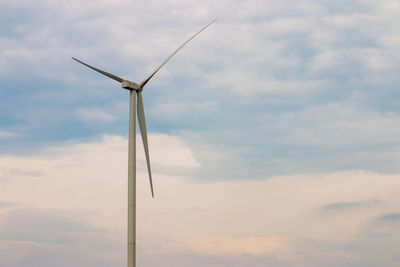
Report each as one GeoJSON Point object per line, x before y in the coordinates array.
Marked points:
{"type": "Point", "coordinates": [143, 132]}
{"type": "Point", "coordinates": [112, 76]}
{"type": "Point", "coordinates": [143, 83]}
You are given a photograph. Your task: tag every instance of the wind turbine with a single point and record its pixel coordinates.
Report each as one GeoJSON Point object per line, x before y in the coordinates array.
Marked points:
{"type": "Point", "coordinates": [136, 89]}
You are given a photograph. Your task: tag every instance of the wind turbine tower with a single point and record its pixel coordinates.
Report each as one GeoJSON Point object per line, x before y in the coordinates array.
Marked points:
{"type": "Point", "coordinates": [136, 104]}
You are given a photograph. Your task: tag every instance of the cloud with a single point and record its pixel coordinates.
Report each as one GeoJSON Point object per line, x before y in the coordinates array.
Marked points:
{"type": "Point", "coordinates": [349, 205]}
{"type": "Point", "coordinates": [228, 245]}
{"type": "Point", "coordinates": [7, 134]}
{"type": "Point", "coordinates": [5, 204]}
{"type": "Point", "coordinates": [392, 217]}
{"type": "Point", "coordinates": [39, 226]}
{"type": "Point", "coordinates": [47, 237]}
{"type": "Point", "coordinates": [94, 115]}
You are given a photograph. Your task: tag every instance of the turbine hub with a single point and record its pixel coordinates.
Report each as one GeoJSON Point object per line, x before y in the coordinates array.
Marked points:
{"type": "Point", "coordinates": [130, 85]}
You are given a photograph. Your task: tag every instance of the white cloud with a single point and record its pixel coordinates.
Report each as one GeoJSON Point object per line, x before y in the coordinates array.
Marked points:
{"type": "Point", "coordinates": [7, 134]}
{"type": "Point", "coordinates": [175, 111]}
{"type": "Point", "coordinates": [352, 20]}
{"type": "Point", "coordinates": [94, 115]}
{"type": "Point", "coordinates": [170, 151]}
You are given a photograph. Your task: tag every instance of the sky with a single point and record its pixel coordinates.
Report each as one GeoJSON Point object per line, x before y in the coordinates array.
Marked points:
{"type": "Point", "coordinates": [274, 135]}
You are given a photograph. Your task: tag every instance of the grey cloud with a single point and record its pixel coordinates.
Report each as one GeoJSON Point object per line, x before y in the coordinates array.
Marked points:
{"type": "Point", "coordinates": [8, 174]}
{"type": "Point", "coordinates": [7, 204]}
{"type": "Point", "coordinates": [25, 173]}
{"type": "Point", "coordinates": [201, 260]}
{"type": "Point", "coordinates": [40, 237]}
{"type": "Point", "coordinates": [391, 217]}
{"type": "Point", "coordinates": [375, 244]}
{"type": "Point", "coordinates": [350, 205]}
{"type": "Point", "coordinates": [41, 226]}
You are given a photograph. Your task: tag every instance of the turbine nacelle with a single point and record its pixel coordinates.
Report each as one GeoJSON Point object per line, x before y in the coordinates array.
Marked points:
{"type": "Point", "coordinates": [130, 85]}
